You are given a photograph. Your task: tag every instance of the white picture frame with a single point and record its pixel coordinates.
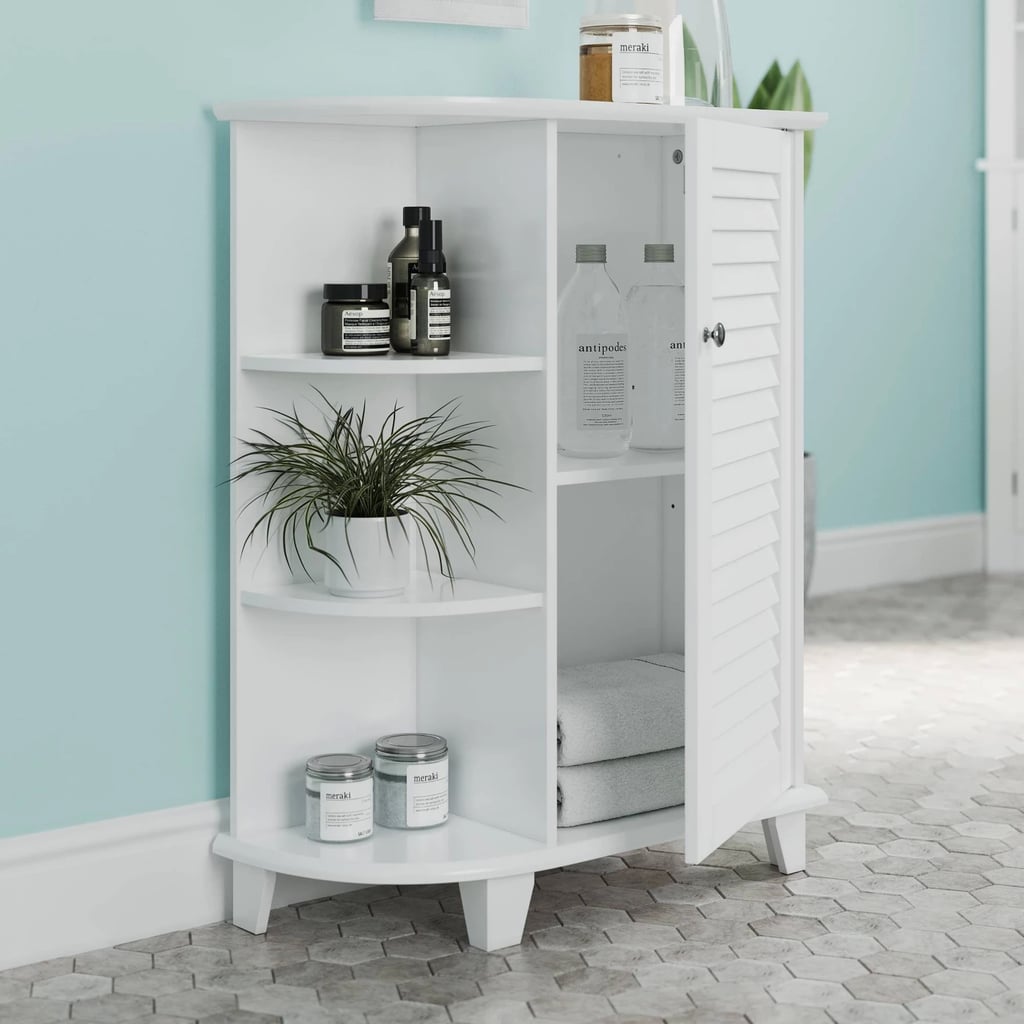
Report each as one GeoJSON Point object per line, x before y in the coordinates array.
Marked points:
{"type": "Point", "coordinates": [480, 13]}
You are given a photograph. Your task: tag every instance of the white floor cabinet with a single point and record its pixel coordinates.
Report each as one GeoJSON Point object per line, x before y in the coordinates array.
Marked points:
{"type": "Point", "coordinates": [594, 560]}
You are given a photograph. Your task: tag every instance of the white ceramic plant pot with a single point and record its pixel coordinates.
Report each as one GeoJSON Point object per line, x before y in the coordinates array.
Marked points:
{"type": "Point", "coordinates": [373, 552]}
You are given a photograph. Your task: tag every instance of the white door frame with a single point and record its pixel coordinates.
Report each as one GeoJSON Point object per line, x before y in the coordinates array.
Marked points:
{"type": "Point", "coordinates": [1004, 173]}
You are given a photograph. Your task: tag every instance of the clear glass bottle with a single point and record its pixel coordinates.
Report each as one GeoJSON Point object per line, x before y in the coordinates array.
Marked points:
{"type": "Point", "coordinates": [593, 373]}
{"type": "Point", "coordinates": [707, 53]}
{"type": "Point", "coordinates": [656, 314]}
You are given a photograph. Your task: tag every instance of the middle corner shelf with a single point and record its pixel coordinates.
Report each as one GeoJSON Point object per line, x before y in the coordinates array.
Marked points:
{"type": "Point", "coordinates": [425, 598]}
{"type": "Point", "coordinates": [392, 364]}
{"type": "Point", "coordinates": [634, 465]}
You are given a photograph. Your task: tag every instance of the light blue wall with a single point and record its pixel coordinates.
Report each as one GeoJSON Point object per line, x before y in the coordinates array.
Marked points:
{"type": "Point", "coordinates": [113, 292]}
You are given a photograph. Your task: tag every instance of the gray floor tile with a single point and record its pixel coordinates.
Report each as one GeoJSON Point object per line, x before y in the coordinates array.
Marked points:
{"type": "Point", "coordinates": [72, 986]}
{"type": "Point", "coordinates": [912, 901]}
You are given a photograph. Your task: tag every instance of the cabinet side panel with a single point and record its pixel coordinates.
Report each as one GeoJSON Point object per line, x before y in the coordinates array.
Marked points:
{"type": "Point", "coordinates": [486, 682]}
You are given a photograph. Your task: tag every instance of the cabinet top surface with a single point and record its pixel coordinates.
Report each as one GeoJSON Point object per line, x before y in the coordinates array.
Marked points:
{"type": "Point", "coordinates": [420, 111]}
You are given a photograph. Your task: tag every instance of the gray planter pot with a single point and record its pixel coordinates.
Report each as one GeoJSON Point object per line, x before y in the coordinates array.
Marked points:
{"type": "Point", "coordinates": [810, 525]}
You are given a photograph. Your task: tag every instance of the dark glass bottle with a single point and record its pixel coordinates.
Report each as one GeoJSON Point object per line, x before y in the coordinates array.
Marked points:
{"type": "Point", "coordinates": [430, 296]}
{"type": "Point", "coordinates": [401, 265]}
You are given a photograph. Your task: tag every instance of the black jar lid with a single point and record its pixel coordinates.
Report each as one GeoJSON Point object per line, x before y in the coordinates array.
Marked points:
{"type": "Point", "coordinates": [355, 292]}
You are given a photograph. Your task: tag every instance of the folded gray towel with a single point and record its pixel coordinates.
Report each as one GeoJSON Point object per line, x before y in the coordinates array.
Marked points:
{"type": "Point", "coordinates": [620, 708]}
{"type": "Point", "coordinates": [615, 789]}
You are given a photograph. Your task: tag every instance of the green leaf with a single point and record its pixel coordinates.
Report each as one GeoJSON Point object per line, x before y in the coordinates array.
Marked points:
{"type": "Point", "coordinates": [736, 101]}
{"type": "Point", "coordinates": [696, 79]}
{"type": "Point", "coordinates": [763, 94]}
{"type": "Point", "coordinates": [794, 93]}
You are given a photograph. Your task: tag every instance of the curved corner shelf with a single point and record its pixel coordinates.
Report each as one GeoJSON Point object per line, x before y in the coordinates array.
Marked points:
{"type": "Point", "coordinates": [462, 850]}
{"type": "Point", "coordinates": [631, 466]}
{"type": "Point", "coordinates": [425, 598]}
{"type": "Point", "coordinates": [394, 364]}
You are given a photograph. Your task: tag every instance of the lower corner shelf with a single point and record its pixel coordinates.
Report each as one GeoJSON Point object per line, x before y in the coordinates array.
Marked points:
{"type": "Point", "coordinates": [462, 850]}
{"type": "Point", "coordinates": [426, 598]}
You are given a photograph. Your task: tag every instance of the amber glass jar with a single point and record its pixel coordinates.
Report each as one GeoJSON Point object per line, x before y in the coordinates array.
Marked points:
{"type": "Point", "coordinates": [622, 59]}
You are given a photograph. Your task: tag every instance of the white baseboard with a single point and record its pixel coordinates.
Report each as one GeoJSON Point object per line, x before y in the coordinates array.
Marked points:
{"type": "Point", "coordinates": [91, 886]}
{"type": "Point", "coordinates": [905, 552]}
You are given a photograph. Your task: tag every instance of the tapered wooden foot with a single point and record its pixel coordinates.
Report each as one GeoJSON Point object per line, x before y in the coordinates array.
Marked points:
{"type": "Point", "coordinates": [253, 891]}
{"type": "Point", "coordinates": [786, 837]}
{"type": "Point", "coordinates": [496, 910]}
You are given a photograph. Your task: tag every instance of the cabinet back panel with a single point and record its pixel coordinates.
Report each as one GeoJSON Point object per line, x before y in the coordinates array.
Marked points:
{"type": "Point", "coordinates": [610, 191]}
{"type": "Point", "coordinates": [311, 204]}
{"type": "Point", "coordinates": [308, 685]}
{"type": "Point", "coordinates": [483, 685]}
{"type": "Point", "coordinates": [610, 567]}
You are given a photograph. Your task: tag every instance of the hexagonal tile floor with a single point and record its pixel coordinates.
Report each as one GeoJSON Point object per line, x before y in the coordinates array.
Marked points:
{"type": "Point", "coordinates": [911, 907]}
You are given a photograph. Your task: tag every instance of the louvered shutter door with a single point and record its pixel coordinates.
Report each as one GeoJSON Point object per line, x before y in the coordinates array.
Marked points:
{"type": "Point", "coordinates": [743, 449]}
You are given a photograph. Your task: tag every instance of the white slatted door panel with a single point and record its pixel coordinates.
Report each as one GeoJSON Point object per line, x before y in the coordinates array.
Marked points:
{"type": "Point", "coordinates": [739, 421]}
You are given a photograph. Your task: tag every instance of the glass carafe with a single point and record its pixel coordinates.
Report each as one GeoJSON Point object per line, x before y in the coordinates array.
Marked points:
{"type": "Point", "coordinates": [593, 373]}
{"type": "Point", "coordinates": [655, 314]}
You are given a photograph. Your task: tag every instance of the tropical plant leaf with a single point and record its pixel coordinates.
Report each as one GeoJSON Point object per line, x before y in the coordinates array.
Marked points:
{"type": "Point", "coordinates": [766, 90]}
{"type": "Point", "coordinates": [737, 102]}
{"type": "Point", "coordinates": [696, 77]}
{"type": "Point", "coordinates": [794, 93]}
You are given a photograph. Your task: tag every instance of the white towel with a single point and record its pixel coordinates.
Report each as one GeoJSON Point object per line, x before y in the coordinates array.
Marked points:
{"type": "Point", "coordinates": [615, 789]}
{"type": "Point", "coordinates": [620, 708]}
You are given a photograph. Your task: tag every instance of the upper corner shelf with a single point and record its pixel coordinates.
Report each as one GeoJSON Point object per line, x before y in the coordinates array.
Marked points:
{"type": "Point", "coordinates": [426, 598]}
{"type": "Point", "coordinates": [393, 364]}
{"type": "Point", "coordinates": [574, 115]}
{"type": "Point", "coordinates": [631, 466]}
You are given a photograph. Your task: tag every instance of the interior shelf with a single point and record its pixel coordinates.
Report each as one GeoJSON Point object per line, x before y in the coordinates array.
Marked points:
{"type": "Point", "coordinates": [425, 598]}
{"type": "Point", "coordinates": [393, 363]}
{"type": "Point", "coordinates": [631, 466]}
{"type": "Point", "coordinates": [604, 838]}
{"type": "Point", "coordinates": [461, 850]}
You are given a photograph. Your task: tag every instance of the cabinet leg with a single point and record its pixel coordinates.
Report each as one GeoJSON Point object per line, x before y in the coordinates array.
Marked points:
{"type": "Point", "coordinates": [496, 910]}
{"type": "Point", "coordinates": [252, 893]}
{"type": "Point", "coordinates": [786, 837]}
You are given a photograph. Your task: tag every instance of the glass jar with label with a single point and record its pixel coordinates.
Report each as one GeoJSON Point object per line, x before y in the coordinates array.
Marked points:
{"type": "Point", "coordinates": [339, 798]}
{"type": "Point", "coordinates": [411, 780]}
{"type": "Point", "coordinates": [622, 58]}
{"type": "Point", "coordinates": [355, 321]}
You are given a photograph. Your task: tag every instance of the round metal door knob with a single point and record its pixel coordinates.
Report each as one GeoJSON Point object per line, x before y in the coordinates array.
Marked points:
{"type": "Point", "coordinates": [717, 335]}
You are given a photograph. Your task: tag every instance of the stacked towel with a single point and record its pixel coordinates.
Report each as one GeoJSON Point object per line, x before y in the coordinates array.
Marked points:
{"type": "Point", "coordinates": [615, 789]}
{"type": "Point", "coordinates": [620, 738]}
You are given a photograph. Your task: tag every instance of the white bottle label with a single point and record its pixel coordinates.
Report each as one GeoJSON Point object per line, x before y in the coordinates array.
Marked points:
{"type": "Point", "coordinates": [602, 382]}
{"type": "Point", "coordinates": [412, 313]}
{"type": "Point", "coordinates": [439, 315]}
{"type": "Point", "coordinates": [678, 350]}
{"type": "Point", "coordinates": [638, 67]}
{"type": "Point", "coordinates": [391, 275]}
{"type": "Point", "coordinates": [426, 794]}
{"type": "Point", "coordinates": [365, 330]}
{"type": "Point", "coordinates": [346, 810]}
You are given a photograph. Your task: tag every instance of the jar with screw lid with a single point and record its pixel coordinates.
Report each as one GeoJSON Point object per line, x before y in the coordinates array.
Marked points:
{"type": "Point", "coordinates": [339, 798]}
{"type": "Point", "coordinates": [622, 58]}
{"type": "Point", "coordinates": [411, 780]}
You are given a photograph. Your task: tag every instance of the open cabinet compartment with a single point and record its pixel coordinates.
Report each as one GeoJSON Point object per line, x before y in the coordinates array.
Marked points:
{"type": "Point", "coordinates": [593, 559]}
